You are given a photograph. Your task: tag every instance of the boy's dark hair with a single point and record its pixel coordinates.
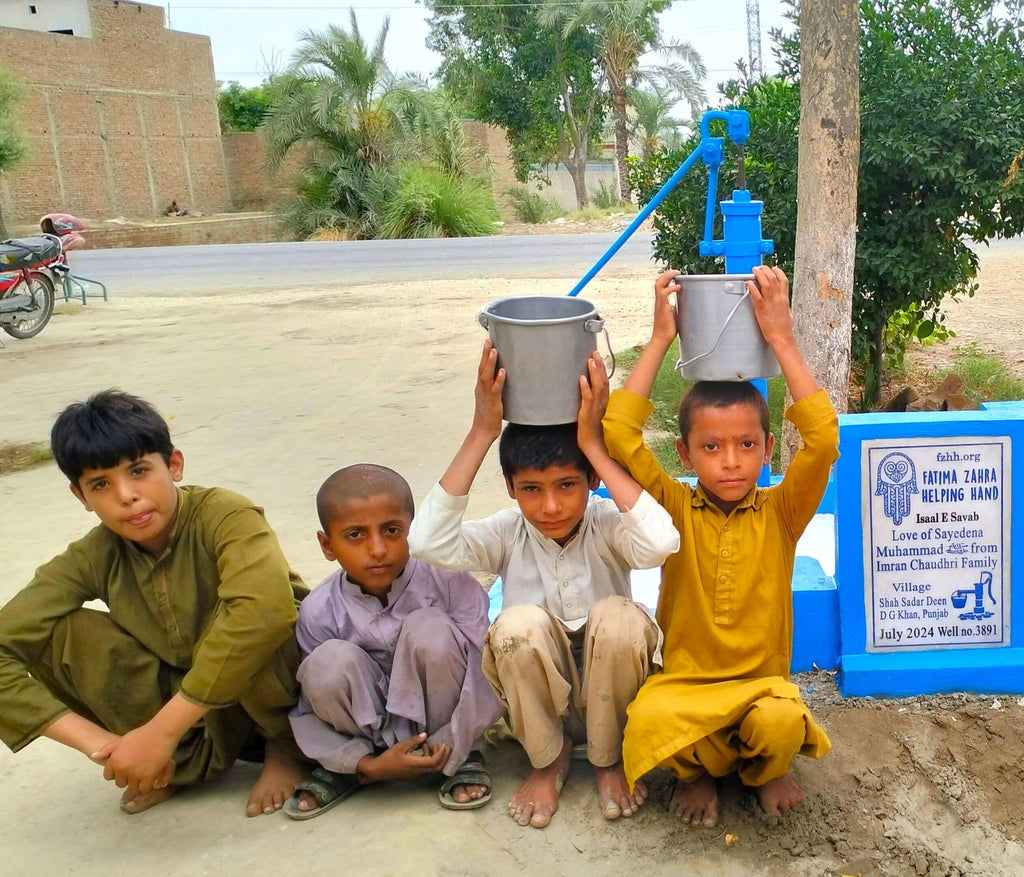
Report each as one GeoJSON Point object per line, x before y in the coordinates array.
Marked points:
{"type": "Point", "coordinates": [537, 447]}
{"type": "Point", "coordinates": [360, 481]}
{"type": "Point", "coordinates": [108, 427]}
{"type": "Point", "coordinates": [719, 394]}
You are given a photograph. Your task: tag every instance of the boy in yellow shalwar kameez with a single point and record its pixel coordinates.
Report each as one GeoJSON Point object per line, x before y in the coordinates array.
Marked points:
{"type": "Point", "coordinates": [724, 702]}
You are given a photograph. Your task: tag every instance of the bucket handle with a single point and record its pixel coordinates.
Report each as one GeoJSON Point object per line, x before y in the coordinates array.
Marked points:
{"type": "Point", "coordinates": [680, 365]}
{"type": "Point", "coordinates": [596, 325]}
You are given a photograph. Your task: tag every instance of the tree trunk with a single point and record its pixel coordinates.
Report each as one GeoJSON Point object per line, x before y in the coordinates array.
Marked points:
{"type": "Point", "coordinates": [826, 224]}
{"type": "Point", "coordinates": [578, 173]}
{"type": "Point", "coordinates": [621, 144]}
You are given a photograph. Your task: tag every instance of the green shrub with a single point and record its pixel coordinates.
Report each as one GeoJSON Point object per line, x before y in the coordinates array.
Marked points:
{"type": "Point", "coordinates": [606, 197]}
{"type": "Point", "coordinates": [530, 206]}
{"type": "Point", "coordinates": [429, 203]}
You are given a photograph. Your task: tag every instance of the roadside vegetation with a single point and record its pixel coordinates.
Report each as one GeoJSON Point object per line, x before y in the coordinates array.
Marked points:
{"type": "Point", "coordinates": [381, 154]}
{"type": "Point", "coordinates": [16, 456]}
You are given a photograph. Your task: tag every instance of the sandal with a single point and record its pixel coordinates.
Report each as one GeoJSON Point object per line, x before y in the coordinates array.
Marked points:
{"type": "Point", "coordinates": [471, 773]}
{"type": "Point", "coordinates": [328, 788]}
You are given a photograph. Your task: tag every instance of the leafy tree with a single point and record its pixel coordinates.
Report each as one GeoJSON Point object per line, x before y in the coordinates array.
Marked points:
{"type": "Point", "coordinates": [368, 138]}
{"type": "Point", "coordinates": [241, 108]}
{"type": "Point", "coordinates": [625, 30]}
{"type": "Point", "coordinates": [942, 131]}
{"type": "Point", "coordinates": [542, 86]}
{"type": "Point", "coordinates": [12, 143]}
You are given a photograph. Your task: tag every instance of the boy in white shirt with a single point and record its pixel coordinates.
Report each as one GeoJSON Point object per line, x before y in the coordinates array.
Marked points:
{"type": "Point", "coordinates": [570, 649]}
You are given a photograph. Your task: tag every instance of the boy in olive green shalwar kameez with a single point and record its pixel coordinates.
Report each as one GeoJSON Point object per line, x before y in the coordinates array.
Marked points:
{"type": "Point", "coordinates": [195, 661]}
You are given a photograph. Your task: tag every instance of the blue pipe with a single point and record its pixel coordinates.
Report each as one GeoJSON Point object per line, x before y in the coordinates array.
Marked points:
{"type": "Point", "coordinates": [652, 205]}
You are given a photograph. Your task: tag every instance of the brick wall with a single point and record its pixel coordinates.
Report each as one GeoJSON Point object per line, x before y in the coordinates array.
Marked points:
{"type": "Point", "coordinates": [119, 123]}
{"type": "Point", "coordinates": [493, 144]}
{"type": "Point", "coordinates": [253, 186]}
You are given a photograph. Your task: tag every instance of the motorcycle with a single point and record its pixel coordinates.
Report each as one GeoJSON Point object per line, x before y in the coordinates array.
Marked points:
{"type": "Point", "coordinates": [26, 283]}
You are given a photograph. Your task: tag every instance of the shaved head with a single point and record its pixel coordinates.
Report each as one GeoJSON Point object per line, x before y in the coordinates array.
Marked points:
{"type": "Point", "coordinates": [361, 481]}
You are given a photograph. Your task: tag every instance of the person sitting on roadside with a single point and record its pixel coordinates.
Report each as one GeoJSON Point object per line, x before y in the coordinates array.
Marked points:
{"type": "Point", "coordinates": [392, 687]}
{"type": "Point", "coordinates": [570, 648]}
{"type": "Point", "coordinates": [724, 702]}
{"type": "Point", "coordinates": [193, 665]}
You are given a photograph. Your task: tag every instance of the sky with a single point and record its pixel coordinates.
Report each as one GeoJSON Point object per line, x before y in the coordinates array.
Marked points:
{"type": "Point", "coordinates": [248, 34]}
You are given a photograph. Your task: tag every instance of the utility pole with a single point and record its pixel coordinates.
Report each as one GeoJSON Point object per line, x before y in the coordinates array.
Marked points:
{"type": "Point", "coordinates": [754, 38]}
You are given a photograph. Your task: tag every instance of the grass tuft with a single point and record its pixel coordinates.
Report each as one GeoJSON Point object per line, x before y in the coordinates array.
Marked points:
{"type": "Point", "coordinates": [16, 456]}
{"type": "Point", "coordinates": [987, 377]}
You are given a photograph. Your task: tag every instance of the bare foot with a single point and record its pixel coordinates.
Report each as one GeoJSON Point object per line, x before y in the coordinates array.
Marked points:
{"type": "Point", "coordinates": [136, 802]}
{"type": "Point", "coordinates": [466, 793]}
{"type": "Point", "coordinates": [613, 791]}
{"type": "Point", "coordinates": [696, 803]}
{"type": "Point", "coordinates": [275, 783]}
{"type": "Point", "coordinates": [780, 795]}
{"type": "Point", "coordinates": [536, 800]}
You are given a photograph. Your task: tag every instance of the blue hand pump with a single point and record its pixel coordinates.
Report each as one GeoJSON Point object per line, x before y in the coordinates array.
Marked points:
{"type": "Point", "coordinates": [741, 245]}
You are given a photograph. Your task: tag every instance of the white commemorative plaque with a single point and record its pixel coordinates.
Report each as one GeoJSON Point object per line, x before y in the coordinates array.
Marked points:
{"type": "Point", "coordinates": [936, 543]}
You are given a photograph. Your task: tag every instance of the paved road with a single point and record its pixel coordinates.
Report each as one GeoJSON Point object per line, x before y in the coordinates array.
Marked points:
{"type": "Point", "coordinates": [261, 267]}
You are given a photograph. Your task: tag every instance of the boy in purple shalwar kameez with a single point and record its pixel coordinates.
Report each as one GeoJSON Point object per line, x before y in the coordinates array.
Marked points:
{"type": "Point", "coordinates": [392, 684]}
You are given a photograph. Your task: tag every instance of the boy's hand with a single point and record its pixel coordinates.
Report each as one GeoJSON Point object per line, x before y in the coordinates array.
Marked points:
{"type": "Point", "coordinates": [593, 404]}
{"type": "Point", "coordinates": [664, 329]}
{"type": "Point", "coordinates": [770, 295]}
{"type": "Point", "coordinates": [401, 763]}
{"type": "Point", "coordinates": [140, 760]}
{"type": "Point", "coordinates": [489, 381]}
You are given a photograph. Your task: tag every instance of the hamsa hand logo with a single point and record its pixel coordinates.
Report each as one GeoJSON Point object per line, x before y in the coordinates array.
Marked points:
{"type": "Point", "coordinates": [895, 481]}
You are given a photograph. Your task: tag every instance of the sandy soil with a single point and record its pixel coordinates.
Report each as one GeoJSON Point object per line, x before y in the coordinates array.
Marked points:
{"type": "Point", "coordinates": [267, 394]}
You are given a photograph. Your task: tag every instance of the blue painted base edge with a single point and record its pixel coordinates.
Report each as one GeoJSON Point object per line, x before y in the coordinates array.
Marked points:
{"type": "Point", "coordinates": [815, 618]}
{"type": "Point", "coordinates": [976, 671]}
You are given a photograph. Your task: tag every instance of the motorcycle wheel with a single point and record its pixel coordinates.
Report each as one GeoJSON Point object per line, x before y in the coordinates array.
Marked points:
{"type": "Point", "coordinates": [32, 322]}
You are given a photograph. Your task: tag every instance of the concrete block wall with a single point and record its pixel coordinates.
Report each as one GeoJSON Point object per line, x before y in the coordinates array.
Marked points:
{"type": "Point", "coordinates": [118, 123]}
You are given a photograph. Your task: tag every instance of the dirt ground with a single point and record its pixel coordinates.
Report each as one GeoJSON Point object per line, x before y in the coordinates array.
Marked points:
{"type": "Point", "coordinates": [267, 394]}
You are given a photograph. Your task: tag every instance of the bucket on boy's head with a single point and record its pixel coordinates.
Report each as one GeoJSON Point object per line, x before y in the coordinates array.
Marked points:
{"type": "Point", "coordinates": [719, 339]}
{"type": "Point", "coordinates": [543, 343]}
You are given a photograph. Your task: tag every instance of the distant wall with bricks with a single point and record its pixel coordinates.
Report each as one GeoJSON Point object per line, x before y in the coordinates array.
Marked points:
{"type": "Point", "coordinates": [118, 123]}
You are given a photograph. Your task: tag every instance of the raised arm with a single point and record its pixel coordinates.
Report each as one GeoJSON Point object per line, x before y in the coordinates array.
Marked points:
{"type": "Point", "coordinates": [663, 332]}
{"type": "Point", "coordinates": [486, 427]}
{"type": "Point", "coordinates": [622, 488]}
{"type": "Point", "coordinates": [770, 295]}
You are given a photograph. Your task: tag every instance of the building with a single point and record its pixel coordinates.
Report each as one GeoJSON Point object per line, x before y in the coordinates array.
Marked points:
{"type": "Point", "coordinates": [120, 113]}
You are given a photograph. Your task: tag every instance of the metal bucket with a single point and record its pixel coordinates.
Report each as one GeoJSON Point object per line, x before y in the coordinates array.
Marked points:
{"type": "Point", "coordinates": [543, 344]}
{"type": "Point", "coordinates": [719, 339]}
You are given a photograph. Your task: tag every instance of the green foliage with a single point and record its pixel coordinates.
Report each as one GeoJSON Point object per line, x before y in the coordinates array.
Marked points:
{"type": "Point", "coordinates": [987, 378]}
{"type": "Point", "coordinates": [382, 155]}
{"type": "Point", "coordinates": [605, 197]}
{"type": "Point", "coordinates": [669, 388]}
{"type": "Point", "coordinates": [514, 71]}
{"type": "Point", "coordinates": [770, 163]}
{"type": "Point", "coordinates": [16, 456]}
{"type": "Point", "coordinates": [431, 203]}
{"type": "Point", "coordinates": [942, 131]}
{"type": "Point", "coordinates": [530, 206]}
{"type": "Point", "coordinates": [241, 108]}
{"type": "Point", "coordinates": [12, 142]}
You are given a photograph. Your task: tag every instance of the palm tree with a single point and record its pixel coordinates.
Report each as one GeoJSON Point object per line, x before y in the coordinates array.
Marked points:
{"type": "Point", "coordinates": [626, 30]}
{"type": "Point", "coordinates": [361, 130]}
{"type": "Point", "coordinates": [651, 123]}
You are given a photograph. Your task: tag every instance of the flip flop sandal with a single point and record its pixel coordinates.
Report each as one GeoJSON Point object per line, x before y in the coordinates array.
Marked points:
{"type": "Point", "coordinates": [471, 773]}
{"type": "Point", "coordinates": [329, 789]}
